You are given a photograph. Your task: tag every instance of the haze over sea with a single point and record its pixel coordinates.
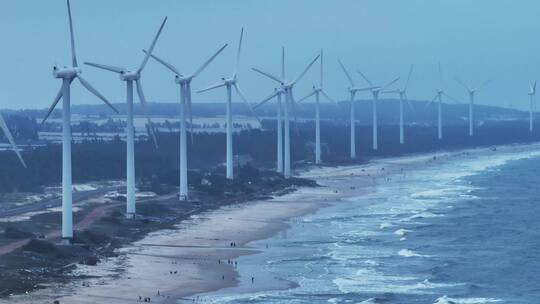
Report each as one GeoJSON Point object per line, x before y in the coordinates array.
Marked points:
{"type": "Point", "coordinates": [463, 231]}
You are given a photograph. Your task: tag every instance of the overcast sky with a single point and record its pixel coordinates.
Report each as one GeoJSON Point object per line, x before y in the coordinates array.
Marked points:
{"type": "Point", "coordinates": [475, 40]}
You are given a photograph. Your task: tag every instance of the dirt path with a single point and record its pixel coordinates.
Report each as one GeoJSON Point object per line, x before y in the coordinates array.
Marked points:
{"type": "Point", "coordinates": [90, 218]}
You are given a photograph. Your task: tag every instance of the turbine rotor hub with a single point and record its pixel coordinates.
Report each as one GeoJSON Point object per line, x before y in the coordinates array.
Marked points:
{"type": "Point", "coordinates": [66, 72]}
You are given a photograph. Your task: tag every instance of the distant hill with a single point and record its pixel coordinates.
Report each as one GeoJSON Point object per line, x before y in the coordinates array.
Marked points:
{"type": "Point", "coordinates": [418, 113]}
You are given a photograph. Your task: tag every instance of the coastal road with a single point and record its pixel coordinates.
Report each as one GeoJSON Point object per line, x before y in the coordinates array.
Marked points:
{"type": "Point", "coordinates": [78, 196]}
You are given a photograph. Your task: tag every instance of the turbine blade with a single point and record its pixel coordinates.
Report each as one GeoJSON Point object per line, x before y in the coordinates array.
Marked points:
{"type": "Point", "coordinates": [243, 97]}
{"type": "Point", "coordinates": [267, 75]}
{"type": "Point", "coordinates": [164, 63]}
{"type": "Point", "coordinates": [293, 108]}
{"type": "Point", "coordinates": [306, 97]}
{"type": "Point", "coordinates": [328, 96]}
{"type": "Point", "coordinates": [391, 92]}
{"type": "Point", "coordinates": [276, 92]}
{"type": "Point", "coordinates": [207, 62]}
{"type": "Point", "coordinates": [92, 90]}
{"type": "Point", "coordinates": [283, 64]}
{"type": "Point", "coordinates": [390, 83]}
{"type": "Point", "coordinates": [72, 36]}
{"type": "Point", "coordinates": [365, 78]}
{"type": "Point", "coordinates": [431, 101]}
{"type": "Point", "coordinates": [214, 86]}
{"type": "Point", "coordinates": [55, 102]}
{"type": "Point", "coordinates": [364, 89]}
{"type": "Point", "coordinates": [440, 75]}
{"type": "Point", "coordinates": [106, 67]}
{"type": "Point", "coordinates": [452, 98]}
{"type": "Point", "coordinates": [346, 73]}
{"type": "Point", "coordinates": [238, 53]}
{"type": "Point", "coordinates": [142, 99]}
{"type": "Point", "coordinates": [145, 60]}
{"type": "Point", "coordinates": [409, 77]}
{"type": "Point", "coordinates": [534, 87]}
{"type": "Point", "coordinates": [462, 84]}
{"type": "Point", "coordinates": [189, 104]}
{"type": "Point", "coordinates": [321, 71]}
{"type": "Point", "coordinates": [484, 84]}
{"type": "Point", "coordinates": [306, 69]}
{"type": "Point", "coordinates": [9, 137]}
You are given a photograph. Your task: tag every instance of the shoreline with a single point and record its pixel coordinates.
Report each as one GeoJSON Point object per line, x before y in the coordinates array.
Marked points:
{"type": "Point", "coordinates": [195, 248]}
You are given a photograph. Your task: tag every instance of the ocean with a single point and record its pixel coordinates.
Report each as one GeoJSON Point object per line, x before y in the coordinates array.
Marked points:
{"type": "Point", "coordinates": [463, 231]}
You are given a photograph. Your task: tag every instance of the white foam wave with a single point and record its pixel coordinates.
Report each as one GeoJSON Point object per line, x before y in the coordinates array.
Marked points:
{"type": "Point", "coordinates": [448, 300]}
{"type": "Point", "coordinates": [401, 232]}
{"type": "Point", "coordinates": [409, 253]}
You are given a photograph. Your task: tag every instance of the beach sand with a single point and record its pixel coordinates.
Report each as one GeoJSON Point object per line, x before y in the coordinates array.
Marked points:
{"type": "Point", "coordinates": [199, 250]}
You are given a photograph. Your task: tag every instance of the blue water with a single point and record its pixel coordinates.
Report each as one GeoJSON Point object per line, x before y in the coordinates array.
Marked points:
{"type": "Point", "coordinates": [464, 231]}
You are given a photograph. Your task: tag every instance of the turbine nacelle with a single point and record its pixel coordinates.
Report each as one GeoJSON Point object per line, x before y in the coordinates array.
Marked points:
{"type": "Point", "coordinates": [181, 79]}
{"type": "Point", "coordinates": [130, 76]}
{"type": "Point", "coordinates": [66, 72]}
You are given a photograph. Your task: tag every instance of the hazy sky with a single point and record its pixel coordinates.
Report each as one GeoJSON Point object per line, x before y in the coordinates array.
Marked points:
{"type": "Point", "coordinates": [473, 39]}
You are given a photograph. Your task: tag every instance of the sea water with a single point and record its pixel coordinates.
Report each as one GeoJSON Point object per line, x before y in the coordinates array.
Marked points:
{"type": "Point", "coordinates": [464, 231]}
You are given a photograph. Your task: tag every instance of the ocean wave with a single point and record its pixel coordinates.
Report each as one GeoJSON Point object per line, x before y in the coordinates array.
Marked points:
{"type": "Point", "coordinates": [409, 253]}
{"type": "Point", "coordinates": [401, 232]}
{"type": "Point", "coordinates": [448, 300]}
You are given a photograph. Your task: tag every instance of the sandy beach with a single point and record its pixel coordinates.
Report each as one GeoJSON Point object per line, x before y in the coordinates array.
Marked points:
{"type": "Point", "coordinates": [199, 256]}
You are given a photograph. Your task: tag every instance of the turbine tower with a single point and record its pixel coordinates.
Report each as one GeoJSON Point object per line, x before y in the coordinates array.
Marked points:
{"type": "Point", "coordinates": [229, 83]}
{"type": "Point", "coordinates": [278, 92]}
{"type": "Point", "coordinates": [402, 97]}
{"type": "Point", "coordinates": [10, 139]}
{"type": "Point", "coordinates": [129, 77]}
{"type": "Point", "coordinates": [375, 90]}
{"type": "Point", "coordinates": [184, 82]}
{"type": "Point", "coordinates": [532, 104]}
{"type": "Point", "coordinates": [317, 91]}
{"type": "Point", "coordinates": [287, 90]}
{"type": "Point", "coordinates": [471, 92]}
{"type": "Point", "coordinates": [68, 74]}
{"type": "Point", "coordinates": [353, 89]}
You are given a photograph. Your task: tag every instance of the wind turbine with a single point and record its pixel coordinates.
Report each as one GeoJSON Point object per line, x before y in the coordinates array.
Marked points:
{"type": "Point", "coordinates": [278, 92]}
{"type": "Point", "coordinates": [287, 90]}
{"type": "Point", "coordinates": [229, 83]}
{"type": "Point", "coordinates": [402, 97]}
{"type": "Point", "coordinates": [532, 104]}
{"type": "Point", "coordinates": [376, 90]}
{"type": "Point", "coordinates": [10, 139]}
{"type": "Point", "coordinates": [184, 81]}
{"type": "Point", "coordinates": [129, 77]}
{"type": "Point", "coordinates": [317, 91]}
{"type": "Point", "coordinates": [353, 89]}
{"type": "Point", "coordinates": [68, 74]}
{"type": "Point", "coordinates": [471, 92]}
{"type": "Point", "coordinates": [439, 98]}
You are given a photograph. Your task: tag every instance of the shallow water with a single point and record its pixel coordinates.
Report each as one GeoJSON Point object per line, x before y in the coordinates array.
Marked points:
{"type": "Point", "coordinates": [464, 231]}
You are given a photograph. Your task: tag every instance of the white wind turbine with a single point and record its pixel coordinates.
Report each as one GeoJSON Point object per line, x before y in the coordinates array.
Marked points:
{"type": "Point", "coordinates": [439, 98]}
{"type": "Point", "coordinates": [317, 91]}
{"type": "Point", "coordinates": [129, 77]}
{"type": "Point", "coordinates": [375, 91]}
{"type": "Point", "coordinates": [184, 81]}
{"type": "Point", "coordinates": [229, 83]}
{"type": "Point", "coordinates": [10, 139]}
{"type": "Point", "coordinates": [353, 89]}
{"type": "Point", "coordinates": [68, 74]}
{"type": "Point", "coordinates": [532, 104]}
{"type": "Point", "coordinates": [471, 92]}
{"type": "Point", "coordinates": [402, 97]}
{"type": "Point", "coordinates": [278, 92]}
{"type": "Point", "coordinates": [287, 89]}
